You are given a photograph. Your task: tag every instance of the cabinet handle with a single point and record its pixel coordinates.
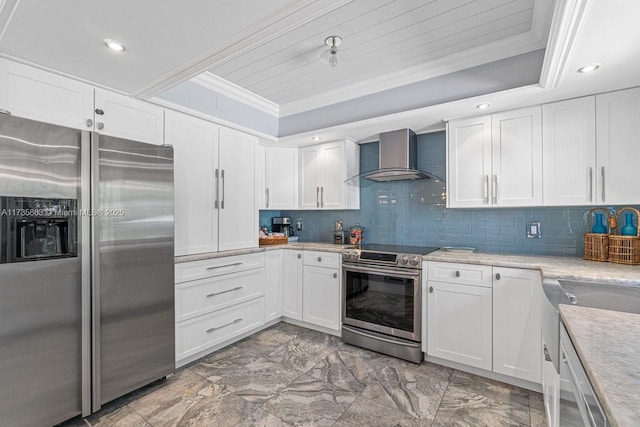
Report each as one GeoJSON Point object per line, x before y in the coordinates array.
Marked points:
{"type": "Point", "coordinates": [495, 189]}
{"type": "Point", "coordinates": [335, 275]}
{"type": "Point", "coordinates": [217, 204]}
{"type": "Point", "coordinates": [430, 289]}
{"type": "Point", "coordinates": [89, 123]}
{"type": "Point", "coordinates": [299, 256]}
{"type": "Point", "coordinates": [317, 197]}
{"type": "Point", "coordinates": [486, 189]}
{"type": "Point", "coordinates": [238, 320]}
{"type": "Point", "coordinates": [100, 125]}
{"type": "Point", "coordinates": [322, 196]}
{"type": "Point", "coordinates": [267, 197]}
{"type": "Point", "coordinates": [224, 292]}
{"type": "Point", "coordinates": [99, 112]}
{"type": "Point", "coordinates": [603, 193]}
{"type": "Point", "coordinates": [590, 184]}
{"type": "Point", "coordinates": [223, 194]}
{"type": "Point", "coordinates": [319, 259]}
{"type": "Point", "coordinates": [547, 357]}
{"type": "Point", "coordinates": [223, 266]}
{"type": "Point", "coordinates": [497, 276]}
{"type": "Point", "coordinates": [457, 274]}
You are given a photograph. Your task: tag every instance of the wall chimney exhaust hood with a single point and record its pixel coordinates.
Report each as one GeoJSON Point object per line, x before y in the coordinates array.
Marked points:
{"type": "Point", "coordinates": [399, 158]}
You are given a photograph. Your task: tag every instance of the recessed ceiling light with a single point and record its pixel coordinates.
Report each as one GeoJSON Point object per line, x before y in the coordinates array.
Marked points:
{"type": "Point", "coordinates": [588, 68]}
{"type": "Point", "coordinates": [482, 106]}
{"type": "Point", "coordinates": [114, 45]}
{"type": "Point", "coordinates": [316, 138]}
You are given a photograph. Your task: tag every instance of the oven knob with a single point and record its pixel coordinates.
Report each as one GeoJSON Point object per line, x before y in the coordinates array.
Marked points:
{"type": "Point", "coordinates": [345, 256]}
{"type": "Point", "coordinates": [404, 260]}
{"type": "Point", "coordinates": [354, 256]}
{"type": "Point", "coordinates": [414, 260]}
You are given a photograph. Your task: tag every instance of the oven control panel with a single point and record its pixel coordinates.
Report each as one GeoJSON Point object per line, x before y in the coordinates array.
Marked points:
{"type": "Point", "coordinates": [350, 255]}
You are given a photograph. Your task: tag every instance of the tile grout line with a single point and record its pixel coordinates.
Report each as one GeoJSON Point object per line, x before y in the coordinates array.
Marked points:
{"type": "Point", "coordinates": [442, 398]}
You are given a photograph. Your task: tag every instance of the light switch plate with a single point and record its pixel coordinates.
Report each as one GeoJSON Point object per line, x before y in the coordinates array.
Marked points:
{"type": "Point", "coordinates": [533, 230]}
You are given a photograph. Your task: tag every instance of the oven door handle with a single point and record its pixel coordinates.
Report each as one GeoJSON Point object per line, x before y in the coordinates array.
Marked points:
{"type": "Point", "coordinates": [378, 338]}
{"type": "Point", "coordinates": [386, 272]}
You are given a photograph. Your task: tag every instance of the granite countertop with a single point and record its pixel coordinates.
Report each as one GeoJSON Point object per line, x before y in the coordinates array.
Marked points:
{"type": "Point", "coordinates": [315, 246]}
{"type": "Point", "coordinates": [608, 344]}
{"type": "Point", "coordinates": [552, 267]}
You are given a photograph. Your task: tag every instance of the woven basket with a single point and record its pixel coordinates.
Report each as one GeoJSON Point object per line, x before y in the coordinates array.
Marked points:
{"type": "Point", "coordinates": [596, 245]}
{"type": "Point", "coordinates": [273, 240]}
{"type": "Point", "coordinates": [625, 249]}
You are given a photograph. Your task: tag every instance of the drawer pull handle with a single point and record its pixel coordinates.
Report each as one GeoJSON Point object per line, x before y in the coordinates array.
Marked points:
{"type": "Point", "coordinates": [319, 259]}
{"type": "Point", "coordinates": [224, 292]}
{"type": "Point", "coordinates": [223, 266]}
{"type": "Point", "coordinates": [224, 326]}
{"type": "Point", "coordinates": [335, 275]}
{"type": "Point", "coordinates": [457, 274]}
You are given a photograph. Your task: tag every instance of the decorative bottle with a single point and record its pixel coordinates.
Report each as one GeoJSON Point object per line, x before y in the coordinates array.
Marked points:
{"type": "Point", "coordinates": [629, 229]}
{"type": "Point", "coordinates": [598, 227]}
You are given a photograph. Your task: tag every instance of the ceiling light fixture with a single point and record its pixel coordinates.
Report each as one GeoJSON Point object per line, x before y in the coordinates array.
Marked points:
{"type": "Point", "coordinates": [588, 68]}
{"type": "Point", "coordinates": [482, 106]}
{"type": "Point", "coordinates": [114, 45]}
{"type": "Point", "coordinates": [330, 56]}
{"type": "Point", "coordinates": [316, 138]}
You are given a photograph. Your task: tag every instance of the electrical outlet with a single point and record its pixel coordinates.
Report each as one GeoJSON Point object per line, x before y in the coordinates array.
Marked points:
{"type": "Point", "coordinates": [533, 230]}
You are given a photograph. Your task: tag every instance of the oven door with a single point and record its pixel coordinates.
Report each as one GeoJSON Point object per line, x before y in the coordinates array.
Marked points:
{"type": "Point", "coordinates": [380, 299]}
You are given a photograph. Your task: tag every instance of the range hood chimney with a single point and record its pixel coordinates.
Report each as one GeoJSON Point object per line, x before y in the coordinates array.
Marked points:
{"type": "Point", "coordinates": [399, 158]}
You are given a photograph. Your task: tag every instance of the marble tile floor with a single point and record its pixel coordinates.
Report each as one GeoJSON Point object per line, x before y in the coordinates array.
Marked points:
{"type": "Point", "coordinates": [287, 375]}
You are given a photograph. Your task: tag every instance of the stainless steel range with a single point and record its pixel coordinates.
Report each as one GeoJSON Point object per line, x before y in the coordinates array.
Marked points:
{"type": "Point", "coordinates": [381, 307]}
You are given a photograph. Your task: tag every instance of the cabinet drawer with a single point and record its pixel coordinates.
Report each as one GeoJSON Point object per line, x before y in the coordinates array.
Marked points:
{"type": "Point", "coordinates": [200, 333]}
{"type": "Point", "coordinates": [205, 295]}
{"type": "Point", "coordinates": [195, 270]}
{"type": "Point", "coordinates": [465, 274]}
{"type": "Point", "coordinates": [322, 259]}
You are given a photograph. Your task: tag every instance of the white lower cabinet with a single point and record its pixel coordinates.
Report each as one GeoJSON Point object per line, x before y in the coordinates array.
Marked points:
{"type": "Point", "coordinates": [216, 301]}
{"type": "Point", "coordinates": [274, 283]}
{"type": "Point", "coordinates": [551, 391]}
{"type": "Point", "coordinates": [292, 284]}
{"type": "Point", "coordinates": [517, 327]}
{"type": "Point", "coordinates": [459, 323]}
{"type": "Point", "coordinates": [321, 297]}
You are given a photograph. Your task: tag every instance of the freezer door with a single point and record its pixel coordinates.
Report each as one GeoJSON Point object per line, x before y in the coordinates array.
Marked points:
{"type": "Point", "coordinates": [132, 272]}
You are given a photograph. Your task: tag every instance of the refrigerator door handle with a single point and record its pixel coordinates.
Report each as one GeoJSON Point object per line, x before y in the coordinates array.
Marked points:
{"type": "Point", "coordinates": [95, 274]}
{"type": "Point", "coordinates": [84, 224]}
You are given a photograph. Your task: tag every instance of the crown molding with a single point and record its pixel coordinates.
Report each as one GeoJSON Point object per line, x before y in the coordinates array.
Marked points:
{"type": "Point", "coordinates": [195, 113]}
{"type": "Point", "coordinates": [237, 93]}
{"type": "Point", "coordinates": [263, 32]}
{"type": "Point", "coordinates": [501, 49]}
{"type": "Point", "coordinates": [7, 9]}
{"type": "Point", "coordinates": [568, 19]}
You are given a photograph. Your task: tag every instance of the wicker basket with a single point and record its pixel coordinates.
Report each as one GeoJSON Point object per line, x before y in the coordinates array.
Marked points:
{"type": "Point", "coordinates": [273, 240]}
{"type": "Point", "coordinates": [625, 249]}
{"type": "Point", "coordinates": [596, 245]}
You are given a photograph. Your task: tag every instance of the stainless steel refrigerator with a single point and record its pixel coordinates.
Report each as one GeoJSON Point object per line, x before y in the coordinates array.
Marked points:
{"type": "Point", "coordinates": [86, 270]}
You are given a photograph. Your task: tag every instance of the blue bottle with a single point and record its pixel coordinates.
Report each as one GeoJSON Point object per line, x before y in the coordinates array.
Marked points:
{"type": "Point", "coordinates": [629, 229]}
{"type": "Point", "coordinates": [598, 227]}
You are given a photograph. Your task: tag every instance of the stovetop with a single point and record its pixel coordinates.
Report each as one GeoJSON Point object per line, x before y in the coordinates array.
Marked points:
{"type": "Point", "coordinates": [398, 249]}
{"type": "Point", "coordinates": [391, 255]}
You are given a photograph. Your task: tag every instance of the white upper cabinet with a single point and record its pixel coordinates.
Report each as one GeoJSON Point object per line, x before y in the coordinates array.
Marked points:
{"type": "Point", "coordinates": [517, 157]}
{"type": "Point", "coordinates": [128, 118]}
{"type": "Point", "coordinates": [238, 224]}
{"type": "Point", "coordinates": [281, 178]}
{"type": "Point", "coordinates": [195, 153]}
{"type": "Point", "coordinates": [469, 162]}
{"type": "Point", "coordinates": [618, 150]}
{"type": "Point", "coordinates": [37, 95]}
{"type": "Point", "coordinates": [496, 161]}
{"type": "Point", "coordinates": [569, 152]}
{"type": "Point", "coordinates": [324, 170]}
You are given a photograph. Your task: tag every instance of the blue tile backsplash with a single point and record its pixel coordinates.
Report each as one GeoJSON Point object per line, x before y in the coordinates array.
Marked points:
{"type": "Point", "coordinates": [414, 213]}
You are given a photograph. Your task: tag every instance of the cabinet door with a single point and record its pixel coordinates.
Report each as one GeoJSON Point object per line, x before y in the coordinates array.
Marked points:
{"type": "Point", "coordinates": [274, 285]}
{"type": "Point", "coordinates": [195, 153]}
{"type": "Point", "coordinates": [569, 152]}
{"type": "Point", "coordinates": [321, 297]}
{"type": "Point", "coordinates": [261, 183]}
{"type": "Point", "coordinates": [517, 158]}
{"type": "Point", "coordinates": [551, 392]}
{"type": "Point", "coordinates": [46, 97]}
{"type": "Point", "coordinates": [469, 162]}
{"type": "Point", "coordinates": [517, 326]}
{"type": "Point", "coordinates": [128, 118]}
{"type": "Point", "coordinates": [333, 173]}
{"type": "Point", "coordinates": [309, 184]}
{"type": "Point", "coordinates": [459, 323]}
{"type": "Point", "coordinates": [292, 284]}
{"type": "Point", "coordinates": [238, 225]}
{"type": "Point", "coordinates": [281, 190]}
{"type": "Point", "coordinates": [617, 130]}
